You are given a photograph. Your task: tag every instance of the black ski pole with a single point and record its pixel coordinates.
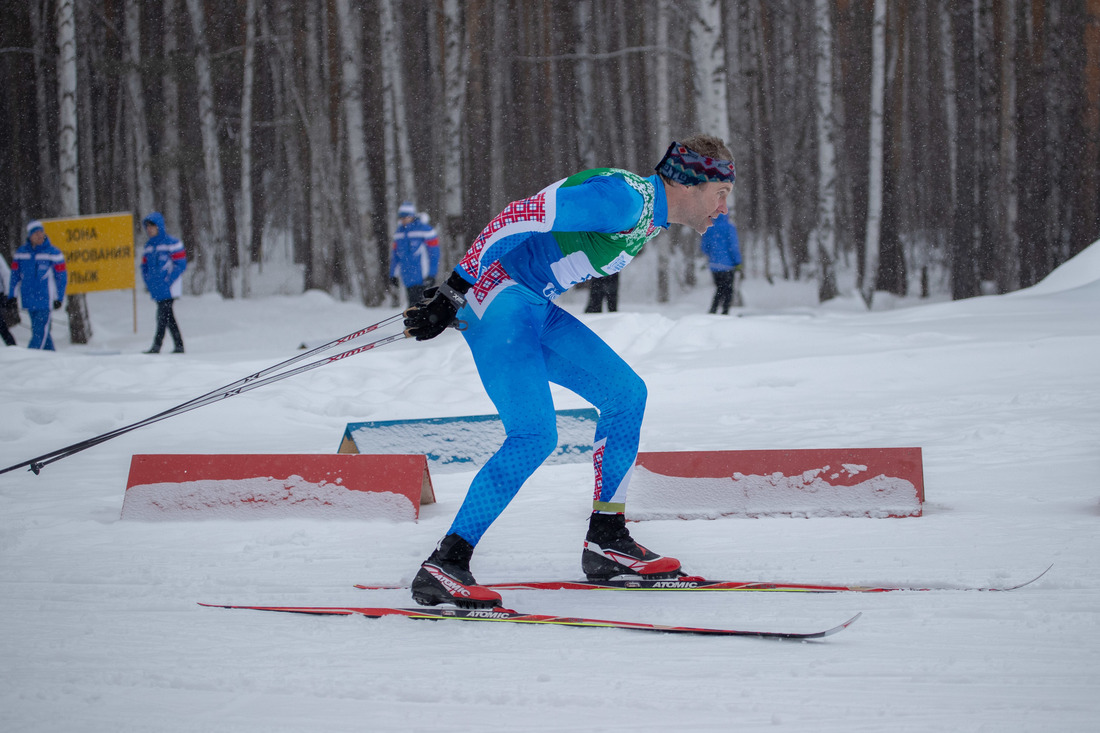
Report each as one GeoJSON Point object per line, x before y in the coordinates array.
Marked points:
{"type": "Point", "coordinates": [245, 384]}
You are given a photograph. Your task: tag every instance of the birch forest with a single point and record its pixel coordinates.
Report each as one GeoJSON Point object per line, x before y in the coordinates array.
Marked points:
{"type": "Point", "coordinates": [922, 146]}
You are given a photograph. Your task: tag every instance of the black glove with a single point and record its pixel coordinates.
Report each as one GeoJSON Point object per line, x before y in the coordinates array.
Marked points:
{"type": "Point", "coordinates": [56, 304]}
{"type": "Point", "coordinates": [436, 310]}
{"type": "Point", "coordinates": [395, 282]}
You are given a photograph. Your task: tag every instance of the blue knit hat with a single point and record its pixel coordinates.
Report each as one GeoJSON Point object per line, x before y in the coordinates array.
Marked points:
{"type": "Point", "coordinates": [34, 226]}
{"type": "Point", "coordinates": [407, 208]}
{"type": "Point", "coordinates": [684, 165]}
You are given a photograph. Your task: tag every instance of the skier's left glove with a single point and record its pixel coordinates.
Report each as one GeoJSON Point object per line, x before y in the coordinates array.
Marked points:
{"type": "Point", "coordinates": [435, 312]}
{"type": "Point", "coordinates": [57, 305]}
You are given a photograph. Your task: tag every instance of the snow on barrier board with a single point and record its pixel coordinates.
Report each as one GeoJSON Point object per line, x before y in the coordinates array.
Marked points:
{"type": "Point", "coordinates": [465, 443]}
{"type": "Point", "coordinates": [175, 487]}
{"type": "Point", "coordinates": [856, 482]}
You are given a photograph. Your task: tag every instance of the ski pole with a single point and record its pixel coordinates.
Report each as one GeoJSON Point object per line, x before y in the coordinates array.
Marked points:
{"type": "Point", "coordinates": [245, 384]}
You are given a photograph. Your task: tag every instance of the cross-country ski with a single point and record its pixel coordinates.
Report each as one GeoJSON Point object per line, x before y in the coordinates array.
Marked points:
{"type": "Point", "coordinates": [505, 615]}
{"type": "Point", "coordinates": [691, 583]}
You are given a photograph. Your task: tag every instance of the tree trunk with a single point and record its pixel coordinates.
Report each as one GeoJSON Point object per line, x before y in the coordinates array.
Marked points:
{"type": "Point", "coordinates": [244, 211]}
{"type": "Point", "coordinates": [47, 172]}
{"type": "Point", "coordinates": [663, 132]}
{"type": "Point", "coordinates": [454, 79]}
{"type": "Point", "coordinates": [136, 97]}
{"type": "Point", "coordinates": [1006, 239]}
{"type": "Point", "coordinates": [501, 99]}
{"type": "Point", "coordinates": [169, 167]}
{"type": "Point", "coordinates": [709, 77]}
{"type": "Point", "coordinates": [825, 227]}
{"type": "Point", "coordinates": [211, 153]}
{"type": "Point", "coordinates": [625, 93]}
{"type": "Point", "coordinates": [80, 324]}
{"type": "Point", "coordinates": [964, 273]}
{"type": "Point", "coordinates": [364, 280]}
{"type": "Point", "coordinates": [586, 94]}
{"type": "Point", "coordinates": [320, 270]}
{"type": "Point", "coordinates": [874, 188]}
{"type": "Point", "coordinates": [391, 64]}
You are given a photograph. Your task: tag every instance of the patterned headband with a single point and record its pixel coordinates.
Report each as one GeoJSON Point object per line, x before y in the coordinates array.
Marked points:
{"type": "Point", "coordinates": [684, 165]}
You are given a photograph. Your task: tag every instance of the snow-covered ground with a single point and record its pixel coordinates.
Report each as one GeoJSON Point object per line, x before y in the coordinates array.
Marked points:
{"type": "Point", "coordinates": [100, 631]}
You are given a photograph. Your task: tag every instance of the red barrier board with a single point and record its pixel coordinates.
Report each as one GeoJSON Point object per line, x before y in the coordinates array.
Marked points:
{"type": "Point", "coordinates": [804, 482]}
{"type": "Point", "coordinates": [268, 486]}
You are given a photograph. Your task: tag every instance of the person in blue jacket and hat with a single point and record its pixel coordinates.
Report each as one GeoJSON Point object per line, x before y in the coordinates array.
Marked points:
{"type": "Point", "coordinates": [162, 262]}
{"type": "Point", "coordinates": [415, 253]}
{"type": "Point", "coordinates": [720, 245]}
{"type": "Point", "coordinates": [38, 274]}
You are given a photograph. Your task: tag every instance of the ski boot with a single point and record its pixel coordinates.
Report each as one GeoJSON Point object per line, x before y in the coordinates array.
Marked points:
{"type": "Point", "coordinates": [445, 578]}
{"type": "Point", "coordinates": [610, 551]}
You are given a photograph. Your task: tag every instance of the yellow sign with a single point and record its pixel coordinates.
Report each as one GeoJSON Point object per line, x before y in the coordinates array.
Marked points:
{"type": "Point", "coordinates": [99, 250]}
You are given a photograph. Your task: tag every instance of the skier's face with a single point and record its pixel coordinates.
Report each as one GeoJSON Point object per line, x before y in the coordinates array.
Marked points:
{"type": "Point", "coordinates": [38, 237]}
{"type": "Point", "coordinates": [704, 203]}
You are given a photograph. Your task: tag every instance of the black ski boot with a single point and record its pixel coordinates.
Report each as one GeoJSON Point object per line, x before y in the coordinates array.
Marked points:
{"type": "Point", "coordinates": [445, 578]}
{"type": "Point", "coordinates": [609, 551]}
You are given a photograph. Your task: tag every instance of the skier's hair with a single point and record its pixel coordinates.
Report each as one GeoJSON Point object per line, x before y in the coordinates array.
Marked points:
{"type": "Point", "coordinates": [696, 159]}
{"type": "Point", "coordinates": [708, 145]}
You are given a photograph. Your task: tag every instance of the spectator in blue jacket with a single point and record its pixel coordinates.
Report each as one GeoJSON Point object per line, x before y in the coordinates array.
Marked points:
{"type": "Point", "coordinates": [162, 262]}
{"type": "Point", "coordinates": [415, 253]}
{"type": "Point", "coordinates": [38, 273]}
{"type": "Point", "coordinates": [720, 245]}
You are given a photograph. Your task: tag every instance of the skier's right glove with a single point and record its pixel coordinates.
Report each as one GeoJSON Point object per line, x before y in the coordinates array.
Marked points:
{"type": "Point", "coordinates": [435, 312]}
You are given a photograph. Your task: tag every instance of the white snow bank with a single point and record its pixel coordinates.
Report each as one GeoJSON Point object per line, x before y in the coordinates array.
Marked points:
{"type": "Point", "coordinates": [1082, 269]}
{"type": "Point", "coordinates": [261, 498]}
{"type": "Point", "coordinates": [809, 494]}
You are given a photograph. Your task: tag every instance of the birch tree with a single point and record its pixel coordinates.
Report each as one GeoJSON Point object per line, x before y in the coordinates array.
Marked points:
{"type": "Point", "coordinates": [662, 130]}
{"type": "Point", "coordinates": [244, 210]}
{"type": "Point", "coordinates": [399, 166]}
{"type": "Point", "coordinates": [709, 77]}
{"type": "Point", "coordinates": [80, 325]}
{"type": "Point", "coordinates": [825, 226]}
{"type": "Point", "coordinates": [211, 153]}
{"type": "Point", "coordinates": [364, 277]}
{"type": "Point", "coordinates": [454, 93]}
{"type": "Point", "coordinates": [874, 174]}
{"type": "Point", "coordinates": [586, 103]}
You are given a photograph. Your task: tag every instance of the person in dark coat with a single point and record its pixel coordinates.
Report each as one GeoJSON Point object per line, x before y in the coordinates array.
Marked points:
{"type": "Point", "coordinates": [601, 289]}
{"type": "Point", "coordinates": [5, 304]}
{"type": "Point", "coordinates": [415, 252]}
{"type": "Point", "coordinates": [720, 245]}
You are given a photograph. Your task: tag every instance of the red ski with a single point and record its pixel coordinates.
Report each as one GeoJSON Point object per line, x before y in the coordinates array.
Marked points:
{"type": "Point", "coordinates": [694, 583]}
{"type": "Point", "coordinates": [504, 615]}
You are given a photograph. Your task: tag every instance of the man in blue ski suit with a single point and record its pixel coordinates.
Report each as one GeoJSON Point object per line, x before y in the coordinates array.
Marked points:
{"type": "Point", "coordinates": [415, 253]}
{"type": "Point", "coordinates": [38, 273]}
{"type": "Point", "coordinates": [588, 225]}
{"type": "Point", "coordinates": [719, 244]}
{"type": "Point", "coordinates": [163, 261]}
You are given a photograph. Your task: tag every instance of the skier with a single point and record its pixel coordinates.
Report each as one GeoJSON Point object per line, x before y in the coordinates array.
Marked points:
{"type": "Point", "coordinates": [38, 273]}
{"type": "Point", "coordinates": [590, 224]}
{"type": "Point", "coordinates": [163, 261]}
{"type": "Point", "coordinates": [415, 252]}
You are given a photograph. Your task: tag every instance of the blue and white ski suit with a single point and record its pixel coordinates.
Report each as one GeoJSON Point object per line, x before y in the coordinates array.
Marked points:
{"type": "Point", "coordinates": [39, 276]}
{"type": "Point", "coordinates": [588, 225]}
